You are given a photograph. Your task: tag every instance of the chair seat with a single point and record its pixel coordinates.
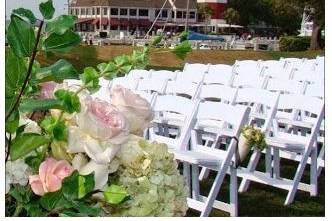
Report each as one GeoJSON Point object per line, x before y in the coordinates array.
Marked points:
{"type": "Point", "coordinates": [289, 142]}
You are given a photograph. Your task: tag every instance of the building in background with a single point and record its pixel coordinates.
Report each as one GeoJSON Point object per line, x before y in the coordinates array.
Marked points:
{"type": "Point", "coordinates": [130, 16]}
{"type": "Point", "coordinates": [217, 18]}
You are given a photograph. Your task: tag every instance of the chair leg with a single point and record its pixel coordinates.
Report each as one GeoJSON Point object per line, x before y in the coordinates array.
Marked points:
{"type": "Point", "coordinates": [195, 181]}
{"type": "Point", "coordinates": [268, 161]}
{"type": "Point", "coordinates": [251, 168]}
{"type": "Point", "coordinates": [233, 192]}
{"type": "Point", "coordinates": [204, 173]}
{"type": "Point", "coordinates": [320, 159]}
{"type": "Point", "coordinates": [214, 192]}
{"type": "Point", "coordinates": [186, 174]}
{"type": "Point", "coordinates": [298, 175]}
{"type": "Point", "coordinates": [276, 163]}
{"type": "Point", "coordinates": [313, 173]}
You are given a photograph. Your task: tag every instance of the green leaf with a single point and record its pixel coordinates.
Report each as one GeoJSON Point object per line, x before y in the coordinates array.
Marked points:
{"type": "Point", "coordinates": [21, 37]}
{"type": "Point", "coordinates": [12, 122]}
{"type": "Point", "coordinates": [25, 14]}
{"type": "Point", "coordinates": [70, 100]}
{"type": "Point", "coordinates": [56, 128]}
{"type": "Point", "coordinates": [21, 193]}
{"type": "Point", "coordinates": [90, 79]}
{"type": "Point", "coordinates": [24, 144]}
{"type": "Point", "coordinates": [30, 105]}
{"type": "Point", "coordinates": [34, 210]}
{"type": "Point", "coordinates": [57, 72]}
{"type": "Point", "coordinates": [46, 9]}
{"type": "Point", "coordinates": [115, 194]}
{"type": "Point", "coordinates": [77, 186]}
{"type": "Point", "coordinates": [182, 49]}
{"type": "Point", "coordinates": [61, 43]}
{"type": "Point", "coordinates": [184, 36]}
{"type": "Point", "coordinates": [109, 70]}
{"type": "Point", "coordinates": [61, 24]}
{"type": "Point", "coordinates": [156, 40]}
{"type": "Point", "coordinates": [33, 162]}
{"type": "Point", "coordinates": [52, 201]}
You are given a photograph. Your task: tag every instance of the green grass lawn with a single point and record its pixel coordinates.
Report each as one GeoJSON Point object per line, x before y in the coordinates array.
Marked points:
{"type": "Point", "coordinates": [260, 200]}
{"type": "Point", "coordinates": [84, 56]}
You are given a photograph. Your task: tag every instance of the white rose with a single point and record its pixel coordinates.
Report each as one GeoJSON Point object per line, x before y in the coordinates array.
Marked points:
{"type": "Point", "coordinates": [136, 109]}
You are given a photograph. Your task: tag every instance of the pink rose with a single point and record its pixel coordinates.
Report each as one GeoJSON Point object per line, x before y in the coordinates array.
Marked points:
{"type": "Point", "coordinates": [47, 90]}
{"type": "Point", "coordinates": [136, 109]}
{"type": "Point", "coordinates": [101, 120]}
{"type": "Point", "coordinates": [51, 174]}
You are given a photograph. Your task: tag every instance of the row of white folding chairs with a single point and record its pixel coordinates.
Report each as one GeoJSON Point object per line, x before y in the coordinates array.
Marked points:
{"type": "Point", "coordinates": [305, 146]}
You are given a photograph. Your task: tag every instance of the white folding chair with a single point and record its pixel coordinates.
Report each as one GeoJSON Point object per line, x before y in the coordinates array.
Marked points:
{"type": "Point", "coordinates": [315, 90]}
{"type": "Point", "coordinates": [139, 74]}
{"type": "Point", "coordinates": [285, 86]}
{"type": "Point", "coordinates": [246, 63]}
{"type": "Point", "coordinates": [248, 81]}
{"type": "Point", "coordinates": [182, 88]}
{"type": "Point", "coordinates": [164, 75]}
{"type": "Point", "coordinates": [196, 68]}
{"type": "Point", "coordinates": [224, 122]}
{"type": "Point", "coordinates": [309, 76]}
{"type": "Point", "coordinates": [278, 72]}
{"type": "Point", "coordinates": [217, 93]}
{"type": "Point", "coordinates": [219, 74]}
{"type": "Point", "coordinates": [297, 143]}
{"type": "Point", "coordinates": [126, 82]}
{"type": "Point", "coordinates": [152, 85]}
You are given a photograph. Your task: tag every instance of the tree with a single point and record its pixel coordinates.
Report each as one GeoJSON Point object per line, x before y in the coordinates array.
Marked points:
{"type": "Point", "coordinates": [205, 12]}
{"type": "Point", "coordinates": [232, 16]}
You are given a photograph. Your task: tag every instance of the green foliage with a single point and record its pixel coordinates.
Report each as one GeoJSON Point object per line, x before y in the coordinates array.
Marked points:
{"type": "Point", "coordinates": [182, 49]}
{"type": "Point", "coordinates": [56, 128]}
{"type": "Point", "coordinates": [30, 105]}
{"type": "Point", "coordinates": [53, 200]}
{"type": "Point", "coordinates": [232, 16]}
{"type": "Point", "coordinates": [57, 72]}
{"type": "Point", "coordinates": [20, 193]}
{"type": "Point", "coordinates": [21, 36]}
{"type": "Point", "coordinates": [25, 143]}
{"type": "Point", "coordinates": [12, 122]}
{"type": "Point", "coordinates": [115, 194]}
{"type": "Point", "coordinates": [61, 24]}
{"type": "Point", "coordinates": [90, 78]}
{"type": "Point", "coordinates": [70, 100]}
{"type": "Point", "coordinates": [184, 36]}
{"type": "Point", "coordinates": [156, 40]}
{"type": "Point", "coordinates": [294, 43]}
{"type": "Point", "coordinates": [15, 75]}
{"type": "Point", "coordinates": [78, 186]}
{"type": "Point", "coordinates": [61, 43]}
{"type": "Point", "coordinates": [46, 9]}
{"type": "Point", "coordinates": [34, 162]}
{"type": "Point", "coordinates": [25, 14]}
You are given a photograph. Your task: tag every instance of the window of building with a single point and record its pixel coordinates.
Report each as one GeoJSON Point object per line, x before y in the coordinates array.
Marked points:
{"type": "Point", "coordinates": [84, 26]}
{"type": "Point", "coordinates": [123, 11]}
{"type": "Point", "coordinates": [105, 11]}
{"type": "Point", "coordinates": [192, 15]}
{"type": "Point", "coordinates": [88, 11]}
{"type": "Point", "coordinates": [82, 11]}
{"type": "Point", "coordinates": [105, 27]}
{"type": "Point", "coordinates": [93, 11]}
{"type": "Point", "coordinates": [184, 14]}
{"type": "Point", "coordinates": [132, 12]}
{"type": "Point", "coordinates": [156, 13]}
{"type": "Point", "coordinates": [164, 14]}
{"type": "Point", "coordinates": [172, 14]}
{"type": "Point", "coordinates": [98, 11]}
{"type": "Point", "coordinates": [179, 14]}
{"type": "Point", "coordinates": [143, 12]}
{"type": "Point", "coordinates": [114, 11]}
{"type": "Point", "coordinates": [77, 12]}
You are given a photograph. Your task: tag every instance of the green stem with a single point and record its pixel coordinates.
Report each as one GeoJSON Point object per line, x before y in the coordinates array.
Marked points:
{"type": "Point", "coordinates": [18, 209]}
{"type": "Point", "coordinates": [29, 72]}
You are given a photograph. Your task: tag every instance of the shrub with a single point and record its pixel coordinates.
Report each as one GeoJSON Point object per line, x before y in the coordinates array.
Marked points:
{"type": "Point", "coordinates": [294, 43]}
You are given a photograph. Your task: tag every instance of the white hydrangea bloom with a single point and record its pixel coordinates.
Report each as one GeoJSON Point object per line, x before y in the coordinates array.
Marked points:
{"type": "Point", "coordinates": [17, 172]}
{"type": "Point", "coordinates": [30, 125]}
{"type": "Point", "coordinates": [149, 174]}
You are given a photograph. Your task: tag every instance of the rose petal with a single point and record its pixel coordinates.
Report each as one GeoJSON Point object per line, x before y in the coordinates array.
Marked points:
{"type": "Point", "coordinates": [36, 185]}
{"type": "Point", "coordinates": [44, 170]}
{"type": "Point", "coordinates": [62, 169]}
{"type": "Point", "coordinates": [101, 173]}
{"type": "Point", "coordinates": [53, 183]}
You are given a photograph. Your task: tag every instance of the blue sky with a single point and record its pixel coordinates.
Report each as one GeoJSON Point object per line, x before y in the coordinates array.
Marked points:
{"type": "Point", "coordinates": [59, 5]}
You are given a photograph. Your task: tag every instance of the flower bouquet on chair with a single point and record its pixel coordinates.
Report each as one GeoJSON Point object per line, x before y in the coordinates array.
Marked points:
{"type": "Point", "coordinates": [250, 138]}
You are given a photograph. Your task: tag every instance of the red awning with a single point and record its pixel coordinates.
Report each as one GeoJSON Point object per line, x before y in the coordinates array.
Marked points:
{"type": "Point", "coordinates": [124, 22]}
{"type": "Point", "coordinates": [84, 20]}
{"type": "Point", "coordinates": [115, 21]}
{"type": "Point", "coordinates": [104, 21]}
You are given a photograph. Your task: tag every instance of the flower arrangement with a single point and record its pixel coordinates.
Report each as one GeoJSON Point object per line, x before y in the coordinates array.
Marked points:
{"type": "Point", "coordinates": [69, 154]}
{"type": "Point", "coordinates": [254, 137]}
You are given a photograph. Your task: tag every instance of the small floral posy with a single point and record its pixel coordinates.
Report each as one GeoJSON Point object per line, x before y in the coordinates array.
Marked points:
{"type": "Point", "coordinates": [68, 154]}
